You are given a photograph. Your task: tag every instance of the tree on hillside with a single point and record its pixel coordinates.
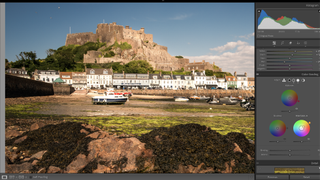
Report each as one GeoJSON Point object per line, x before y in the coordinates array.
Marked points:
{"type": "Point", "coordinates": [50, 52]}
{"type": "Point", "coordinates": [88, 65]}
{"type": "Point", "coordinates": [65, 59]}
{"type": "Point", "coordinates": [117, 67]}
{"type": "Point", "coordinates": [7, 64]}
{"type": "Point", "coordinates": [179, 57]}
{"type": "Point", "coordinates": [209, 72]}
{"type": "Point", "coordinates": [138, 66]}
{"type": "Point", "coordinates": [27, 60]}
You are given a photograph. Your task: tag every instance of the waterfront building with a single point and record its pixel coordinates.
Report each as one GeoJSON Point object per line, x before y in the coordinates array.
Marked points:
{"type": "Point", "coordinates": [166, 81]}
{"type": "Point", "coordinates": [189, 82]}
{"type": "Point", "coordinates": [130, 80]}
{"type": "Point", "coordinates": [211, 81]}
{"type": "Point", "coordinates": [18, 72]}
{"type": "Point", "coordinates": [222, 83]}
{"type": "Point", "coordinates": [66, 77]}
{"type": "Point", "coordinates": [154, 80]}
{"type": "Point", "coordinates": [231, 82]}
{"type": "Point", "coordinates": [242, 80]}
{"type": "Point", "coordinates": [79, 80]}
{"type": "Point", "coordinates": [99, 78]}
{"type": "Point", "coordinates": [251, 82]}
{"type": "Point", "coordinates": [199, 79]}
{"type": "Point", "coordinates": [46, 75]}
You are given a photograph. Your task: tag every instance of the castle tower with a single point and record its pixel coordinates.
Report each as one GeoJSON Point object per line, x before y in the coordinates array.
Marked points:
{"type": "Point", "coordinates": [235, 74]}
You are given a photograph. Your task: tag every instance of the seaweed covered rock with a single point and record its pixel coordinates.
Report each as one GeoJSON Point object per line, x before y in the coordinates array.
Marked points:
{"type": "Point", "coordinates": [80, 148]}
{"type": "Point", "coordinates": [57, 144]}
{"type": "Point", "coordinates": [192, 148]}
{"type": "Point", "coordinates": [73, 148]}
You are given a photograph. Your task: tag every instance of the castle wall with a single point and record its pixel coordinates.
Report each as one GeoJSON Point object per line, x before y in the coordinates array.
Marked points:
{"type": "Point", "coordinates": [91, 56]}
{"type": "Point", "coordinates": [80, 38]}
{"type": "Point", "coordinates": [155, 54]}
{"type": "Point", "coordinates": [109, 32]}
{"type": "Point", "coordinates": [148, 37]}
{"type": "Point", "coordinates": [134, 43]}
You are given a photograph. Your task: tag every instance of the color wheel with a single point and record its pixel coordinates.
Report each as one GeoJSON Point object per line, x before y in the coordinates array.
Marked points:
{"type": "Point", "coordinates": [301, 128]}
{"type": "Point", "coordinates": [277, 128]}
{"type": "Point", "coordinates": [289, 97]}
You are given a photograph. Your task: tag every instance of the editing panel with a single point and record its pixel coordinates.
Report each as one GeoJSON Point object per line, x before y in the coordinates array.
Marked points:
{"type": "Point", "coordinates": [287, 62]}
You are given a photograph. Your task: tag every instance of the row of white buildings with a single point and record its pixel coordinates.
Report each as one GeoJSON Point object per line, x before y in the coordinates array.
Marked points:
{"type": "Point", "coordinates": [104, 78]}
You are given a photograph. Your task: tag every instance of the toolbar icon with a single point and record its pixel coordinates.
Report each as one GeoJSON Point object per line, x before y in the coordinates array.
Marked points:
{"type": "Point", "coordinates": [274, 43]}
{"type": "Point", "coordinates": [284, 80]}
{"type": "Point", "coordinates": [298, 80]}
{"type": "Point", "coordinates": [4, 177]}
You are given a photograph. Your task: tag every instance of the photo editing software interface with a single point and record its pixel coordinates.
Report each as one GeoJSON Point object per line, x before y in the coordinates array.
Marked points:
{"type": "Point", "coordinates": [287, 100]}
{"type": "Point", "coordinates": [287, 62]}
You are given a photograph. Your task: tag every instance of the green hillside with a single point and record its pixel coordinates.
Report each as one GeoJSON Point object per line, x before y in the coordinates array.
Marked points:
{"type": "Point", "coordinates": [70, 59]}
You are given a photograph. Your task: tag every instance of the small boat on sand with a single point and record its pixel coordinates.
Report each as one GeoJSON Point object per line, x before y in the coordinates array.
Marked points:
{"type": "Point", "coordinates": [109, 98]}
{"type": "Point", "coordinates": [213, 100]}
{"type": "Point", "coordinates": [181, 99]}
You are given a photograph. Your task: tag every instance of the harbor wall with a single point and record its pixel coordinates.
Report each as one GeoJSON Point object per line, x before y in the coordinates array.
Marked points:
{"type": "Point", "coordinates": [62, 89]}
{"type": "Point", "coordinates": [22, 87]}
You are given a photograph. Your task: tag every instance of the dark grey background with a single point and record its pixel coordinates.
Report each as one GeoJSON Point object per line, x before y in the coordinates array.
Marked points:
{"type": "Point", "coordinates": [2, 88]}
{"type": "Point", "coordinates": [136, 176]}
{"type": "Point", "coordinates": [269, 104]}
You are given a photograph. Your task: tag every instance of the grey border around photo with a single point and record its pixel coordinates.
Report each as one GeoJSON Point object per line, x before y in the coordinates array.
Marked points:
{"type": "Point", "coordinates": [2, 91]}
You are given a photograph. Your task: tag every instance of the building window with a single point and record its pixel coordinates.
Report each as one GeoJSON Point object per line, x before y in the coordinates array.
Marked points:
{"type": "Point", "coordinates": [91, 71]}
{"type": "Point", "coordinates": [197, 67]}
{"type": "Point", "coordinates": [105, 71]}
{"type": "Point", "coordinates": [43, 79]}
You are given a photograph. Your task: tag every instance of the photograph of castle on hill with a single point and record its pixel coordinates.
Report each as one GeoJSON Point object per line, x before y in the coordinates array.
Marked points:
{"type": "Point", "coordinates": [129, 88]}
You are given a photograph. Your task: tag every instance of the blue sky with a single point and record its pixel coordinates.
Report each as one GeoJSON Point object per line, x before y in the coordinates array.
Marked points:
{"type": "Point", "coordinates": [215, 32]}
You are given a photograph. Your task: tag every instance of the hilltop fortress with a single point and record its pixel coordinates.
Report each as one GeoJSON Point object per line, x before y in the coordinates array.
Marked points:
{"type": "Point", "coordinates": [143, 48]}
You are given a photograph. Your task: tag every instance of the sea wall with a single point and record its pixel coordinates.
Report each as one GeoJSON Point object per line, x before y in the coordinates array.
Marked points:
{"type": "Point", "coordinates": [22, 87]}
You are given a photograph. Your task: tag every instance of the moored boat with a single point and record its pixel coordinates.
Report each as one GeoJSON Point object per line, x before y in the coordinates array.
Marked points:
{"type": "Point", "coordinates": [213, 100]}
{"type": "Point", "coordinates": [204, 98]}
{"type": "Point", "coordinates": [181, 99]}
{"type": "Point", "coordinates": [228, 101]}
{"type": "Point", "coordinates": [194, 97]}
{"type": "Point", "coordinates": [109, 98]}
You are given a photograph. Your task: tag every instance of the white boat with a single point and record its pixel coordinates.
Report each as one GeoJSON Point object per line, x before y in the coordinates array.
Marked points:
{"type": "Point", "coordinates": [181, 99]}
{"type": "Point", "coordinates": [204, 98]}
{"type": "Point", "coordinates": [213, 100]}
{"type": "Point", "coordinates": [109, 98]}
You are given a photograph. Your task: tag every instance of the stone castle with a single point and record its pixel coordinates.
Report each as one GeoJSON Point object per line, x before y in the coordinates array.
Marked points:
{"type": "Point", "coordinates": [143, 48]}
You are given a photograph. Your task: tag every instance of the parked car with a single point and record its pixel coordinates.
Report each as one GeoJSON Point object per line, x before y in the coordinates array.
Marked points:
{"type": "Point", "coordinates": [213, 88]}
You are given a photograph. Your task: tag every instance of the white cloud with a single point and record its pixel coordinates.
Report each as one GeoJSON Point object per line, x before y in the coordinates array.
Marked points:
{"type": "Point", "coordinates": [228, 46]}
{"type": "Point", "coordinates": [240, 61]}
{"type": "Point", "coordinates": [180, 17]}
{"type": "Point", "coordinates": [247, 36]}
